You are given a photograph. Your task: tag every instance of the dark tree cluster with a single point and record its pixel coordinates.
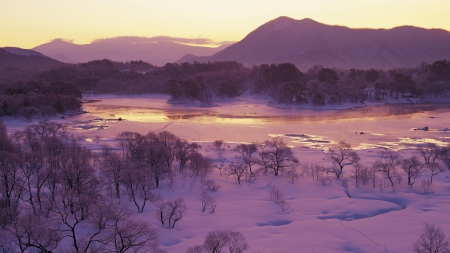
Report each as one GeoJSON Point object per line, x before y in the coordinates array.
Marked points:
{"type": "Point", "coordinates": [200, 81]}
{"type": "Point", "coordinates": [283, 82]}
{"type": "Point", "coordinates": [39, 99]}
{"type": "Point", "coordinates": [50, 192]}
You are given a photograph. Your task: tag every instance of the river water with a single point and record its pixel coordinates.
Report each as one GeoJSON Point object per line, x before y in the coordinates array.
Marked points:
{"type": "Point", "coordinates": [253, 120]}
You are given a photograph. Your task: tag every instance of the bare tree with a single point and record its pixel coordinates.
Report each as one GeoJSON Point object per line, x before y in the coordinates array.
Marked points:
{"type": "Point", "coordinates": [412, 167]}
{"type": "Point", "coordinates": [277, 196]}
{"type": "Point", "coordinates": [169, 141]}
{"type": "Point", "coordinates": [211, 185]}
{"type": "Point", "coordinates": [360, 174]}
{"type": "Point", "coordinates": [315, 170]}
{"type": "Point", "coordinates": [292, 173]}
{"type": "Point", "coordinates": [264, 157]}
{"type": "Point", "coordinates": [212, 204]}
{"type": "Point", "coordinates": [277, 156]}
{"type": "Point", "coordinates": [373, 174]}
{"type": "Point", "coordinates": [78, 178]}
{"type": "Point", "coordinates": [200, 165]}
{"type": "Point", "coordinates": [11, 186]}
{"type": "Point", "coordinates": [73, 212]}
{"type": "Point", "coordinates": [129, 142]}
{"type": "Point", "coordinates": [432, 240]}
{"type": "Point", "coordinates": [184, 151]}
{"type": "Point", "coordinates": [157, 158]}
{"type": "Point", "coordinates": [246, 152]}
{"type": "Point", "coordinates": [434, 169]}
{"type": "Point", "coordinates": [341, 155]}
{"type": "Point", "coordinates": [219, 145]}
{"type": "Point", "coordinates": [215, 241]}
{"type": "Point", "coordinates": [237, 169]}
{"type": "Point", "coordinates": [430, 152]}
{"type": "Point", "coordinates": [36, 174]}
{"type": "Point", "coordinates": [138, 185]}
{"type": "Point", "coordinates": [126, 234]}
{"type": "Point", "coordinates": [161, 211]}
{"type": "Point", "coordinates": [175, 211]}
{"type": "Point", "coordinates": [45, 129]}
{"type": "Point", "coordinates": [204, 200]}
{"type": "Point", "coordinates": [386, 164]}
{"type": "Point", "coordinates": [171, 211]}
{"type": "Point", "coordinates": [427, 186]}
{"type": "Point", "coordinates": [236, 242]}
{"type": "Point", "coordinates": [222, 161]}
{"type": "Point", "coordinates": [32, 232]}
{"type": "Point", "coordinates": [112, 167]}
{"type": "Point", "coordinates": [195, 249]}
{"type": "Point", "coordinates": [6, 242]}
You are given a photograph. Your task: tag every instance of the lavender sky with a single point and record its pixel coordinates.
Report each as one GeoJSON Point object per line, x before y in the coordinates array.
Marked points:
{"type": "Point", "coordinates": [28, 23]}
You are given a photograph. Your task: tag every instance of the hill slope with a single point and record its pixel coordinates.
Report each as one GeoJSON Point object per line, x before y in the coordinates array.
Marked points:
{"type": "Point", "coordinates": [307, 43]}
{"type": "Point", "coordinates": [17, 58]}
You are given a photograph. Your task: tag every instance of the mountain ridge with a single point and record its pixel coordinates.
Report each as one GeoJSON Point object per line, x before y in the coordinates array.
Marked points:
{"type": "Point", "coordinates": [155, 50]}
{"type": "Point", "coordinates": [307, 43]}
{"type": "Point", "coordinates": [26, 59]}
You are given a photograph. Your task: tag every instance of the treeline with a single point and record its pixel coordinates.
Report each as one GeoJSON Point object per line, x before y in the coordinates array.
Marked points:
{"type": "Point", "coordinates": [284, 83]}
{"type": "Point", "coordinates": [38, 99]}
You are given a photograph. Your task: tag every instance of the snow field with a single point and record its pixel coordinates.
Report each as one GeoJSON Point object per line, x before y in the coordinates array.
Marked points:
{"type": "Point", "coordinates": [321, 217]}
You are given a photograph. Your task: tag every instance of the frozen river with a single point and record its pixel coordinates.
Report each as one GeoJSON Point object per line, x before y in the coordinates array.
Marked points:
{"type": "Point", "coordinates": [253, 120]}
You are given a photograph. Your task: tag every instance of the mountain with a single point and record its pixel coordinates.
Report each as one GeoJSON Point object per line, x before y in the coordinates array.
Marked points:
{"type": "Point", "coordinates": [155, 50]}
{"type": "Point", "coordinates": [17, 58]}
{"type": "Point", "coordinates": [307, 43]}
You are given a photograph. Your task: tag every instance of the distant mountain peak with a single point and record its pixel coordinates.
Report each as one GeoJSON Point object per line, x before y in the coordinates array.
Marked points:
{"type": "Point", "coordinates": [286, 23]}
{"type": "Point", "coordinates": [283, 18]}
{"type": "Point", "coordinates": [306, 43]}
{"type": "Point", "coordinates": [309, 21]}
{"type": "Point", "coordinates": [290, 20]}
{"type": "Point", "coordinates": [157, 50]}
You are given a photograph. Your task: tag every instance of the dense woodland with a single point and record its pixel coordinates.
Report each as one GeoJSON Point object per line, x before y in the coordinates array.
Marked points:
{"type": "Point", "coordinates": [58, 196]}
{"type": "Point", "coordinates": [59, 89]}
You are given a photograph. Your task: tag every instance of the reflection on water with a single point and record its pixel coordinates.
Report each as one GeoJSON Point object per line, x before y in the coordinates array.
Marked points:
{"type": "Point", "coordinates": [264, 115]}
{"type": "Point", "coordinates": [384, 126]}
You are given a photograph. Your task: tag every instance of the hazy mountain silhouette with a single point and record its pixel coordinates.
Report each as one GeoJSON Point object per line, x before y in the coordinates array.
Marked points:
{"type": "Point", "coordinates": [307, 43]}
{"type": "Point", "coordinates": [155, 50]}
{"type": "Point", "coordinates": [13, 57]}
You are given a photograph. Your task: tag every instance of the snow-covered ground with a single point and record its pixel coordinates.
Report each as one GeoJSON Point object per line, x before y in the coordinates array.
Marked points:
{"type": "Point", "coordinates": [321, 217]}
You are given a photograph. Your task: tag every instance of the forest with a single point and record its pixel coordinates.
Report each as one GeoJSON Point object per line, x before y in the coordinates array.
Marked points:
{"type": "Point", "coordinates": [56, 195]}
{"type": "Point", "coordinates": [30, 93]}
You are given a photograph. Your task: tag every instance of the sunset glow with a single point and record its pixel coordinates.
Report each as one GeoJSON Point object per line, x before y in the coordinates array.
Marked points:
{"type": "Point", "coordinates": [27, 23]}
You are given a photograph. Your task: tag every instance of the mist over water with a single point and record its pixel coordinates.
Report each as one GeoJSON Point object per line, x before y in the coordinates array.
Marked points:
{"type": "Point", "coordinates": [381, 126]}
{"type": "Point", "coordinates": [260, 114]}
